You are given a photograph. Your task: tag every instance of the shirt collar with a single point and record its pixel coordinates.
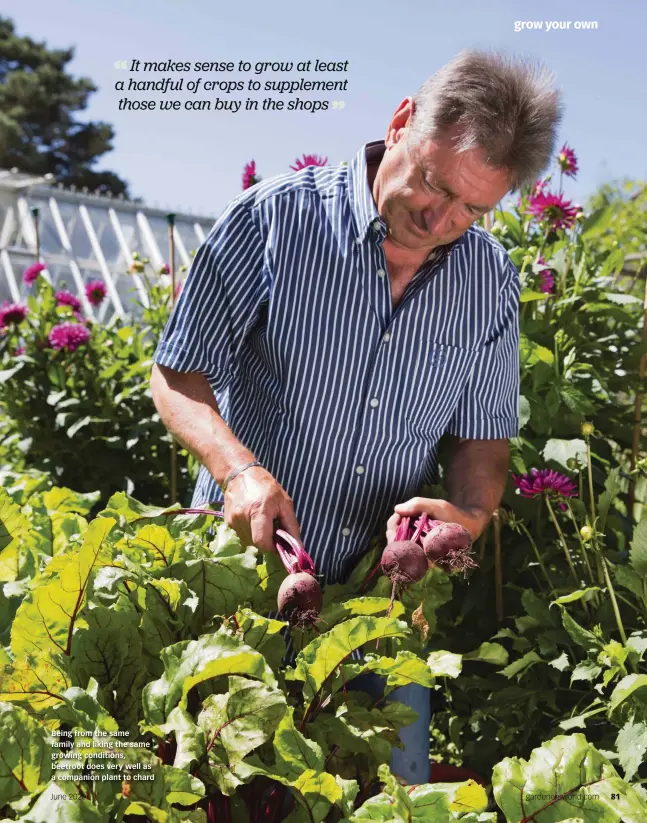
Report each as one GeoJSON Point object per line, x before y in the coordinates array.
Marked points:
{"type": "Point", "coordinates": [365, 214]}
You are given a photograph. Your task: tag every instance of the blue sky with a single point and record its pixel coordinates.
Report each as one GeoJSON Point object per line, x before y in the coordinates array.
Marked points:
{"type": "Point", "coordinates": [193, 160]}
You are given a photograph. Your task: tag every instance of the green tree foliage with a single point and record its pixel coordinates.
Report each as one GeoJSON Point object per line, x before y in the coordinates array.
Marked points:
{"type": "Point", "coordinates": [39, 102]}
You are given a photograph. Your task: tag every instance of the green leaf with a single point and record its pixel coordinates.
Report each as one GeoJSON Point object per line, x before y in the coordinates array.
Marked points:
{"type": "Point", "coordinates": [621, 298]}
{"type": "Point", "coordinates": [627, 689]}
{"type": "Point", "coordinates": [320, 658]}
{"type": "Point", "coordinates": [191, 662]}
{"type": "Point", "coordinates": [561, 663]}
{"type": "Point", "coordinates": [405, 668]}
{"type": "Point", "coordinates": [532, 353]}
{"type": "Point", "coordinates": [586, 670]}
{"type": "Point", "coordinates": [524, 411]}
{"type": "Point", "coordinates": [52, 808]}
{"type": "Point", "coordinates": [65, 500]}
{"type": "Point", "coordinates": [584, 638]}
{"type": "Point", "coordinates": [613, 263]}
{"type": "Point", "coordinates": [563, 450]}
{"type": "Point", "coordinates": [444, 664]}
{"type": "Point", "coordinates": [294, 752]}
{"type": "Point", "coordinates": [26, 759]}
{"type": "Point", "coordinates": [565, 778]}
{"type": "Point", "coordinates": [528, 295]}
{"type": "Point", "coordinates": [523, 664]}
{"type": "Point", "coordinates": [631, 744]}
{"type": "Point", "coordinates": [489, 653]}
{"type": "Point", "coordinates": [638, 552]}
{"type": "Point", "coordinates": [190, 738]}
{"type": "Point", "coordinates": [596, 222]}
{"type": "Point", "coordinates": [629, 579]}
{"type": "Point", "coordinates": [611, 490]}
{"type": "Point", "coordinates": [7, 374]}
{"type": "Point", "coordinates": [13, 524]}
{"type": "Point", "coordinates": [580, 594]}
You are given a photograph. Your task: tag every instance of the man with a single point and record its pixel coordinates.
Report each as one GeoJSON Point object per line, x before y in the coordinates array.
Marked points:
{"type": "Point", "coordinates": [338, 321]}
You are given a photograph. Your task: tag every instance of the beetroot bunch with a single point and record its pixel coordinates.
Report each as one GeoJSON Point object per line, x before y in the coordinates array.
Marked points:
{"type": "Point", "coordinates": [299, 597]}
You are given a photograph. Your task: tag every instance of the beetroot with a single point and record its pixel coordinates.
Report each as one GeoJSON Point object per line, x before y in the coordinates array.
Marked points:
{"type": "Point", "coordinates": [299, 597]}
{"type": "Point", "coordinates": [448, 546]}
{"type": "Point", "coordinates": [404, 561]}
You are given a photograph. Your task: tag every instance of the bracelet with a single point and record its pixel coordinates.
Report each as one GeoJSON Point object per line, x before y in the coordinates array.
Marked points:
{"type": "Point", "coordinates": [236, 472]}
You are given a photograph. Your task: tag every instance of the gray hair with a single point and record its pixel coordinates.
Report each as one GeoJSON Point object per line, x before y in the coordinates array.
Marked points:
{"type": "Point", "coordinates": [507, 107]}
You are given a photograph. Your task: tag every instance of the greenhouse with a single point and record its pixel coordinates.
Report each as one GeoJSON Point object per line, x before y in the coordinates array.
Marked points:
{"type": "Point", "coordinates": [84, 236]}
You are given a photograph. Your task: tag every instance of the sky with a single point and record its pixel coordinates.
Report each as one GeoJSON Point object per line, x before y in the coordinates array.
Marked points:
{"type": "Point", "coordinates": [192, 161]}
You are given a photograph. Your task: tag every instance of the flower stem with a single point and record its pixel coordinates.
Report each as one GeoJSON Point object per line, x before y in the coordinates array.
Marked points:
{"type": "Point", "coordinates": [598, 560]}
{"type": "Point", "coordinates": [584, 553]}
{"type": "Point", "coordinates": [614, 602]}
{"type": "Point", "coordinates": [567, 554]}
{"type": "Point", "coordinates": [539, 560]}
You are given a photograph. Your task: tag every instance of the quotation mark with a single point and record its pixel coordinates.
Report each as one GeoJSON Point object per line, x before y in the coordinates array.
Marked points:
{"type": "Point", "coordinates": [121, 64]}
{"type": "Point", "coordinates": [338, 104]}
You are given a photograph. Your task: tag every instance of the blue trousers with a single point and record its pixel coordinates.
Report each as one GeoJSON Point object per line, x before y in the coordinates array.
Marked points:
{"type": "Point", "coordinates": [412, 762]}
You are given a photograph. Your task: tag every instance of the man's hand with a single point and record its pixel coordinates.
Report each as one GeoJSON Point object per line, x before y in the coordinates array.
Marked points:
{"type": "Point", "coordinates": [253, 501]}
{"type": "Point", "coordinates": [474, 521]}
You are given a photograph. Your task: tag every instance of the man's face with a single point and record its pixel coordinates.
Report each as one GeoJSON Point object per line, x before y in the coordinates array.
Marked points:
{"type": "Point", "coordinates": [428, 194]}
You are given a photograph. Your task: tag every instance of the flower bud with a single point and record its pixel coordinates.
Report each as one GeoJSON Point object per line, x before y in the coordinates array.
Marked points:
{"type": "Point", "coordinates": [586, 533]}
{"type": "Point", "coordinates": [587, 429]}
{"type": "Point", "coordinates": [572, 463]}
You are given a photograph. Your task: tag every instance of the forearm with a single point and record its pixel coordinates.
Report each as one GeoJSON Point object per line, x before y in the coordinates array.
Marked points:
{"type": "Point", "coordinates": [188, 408]}
{"type": "Point", "coordinates": [477, 475]}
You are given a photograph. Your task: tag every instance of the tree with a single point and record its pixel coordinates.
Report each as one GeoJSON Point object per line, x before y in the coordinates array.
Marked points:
{"type": "Point", "coordinates": [39, 101]}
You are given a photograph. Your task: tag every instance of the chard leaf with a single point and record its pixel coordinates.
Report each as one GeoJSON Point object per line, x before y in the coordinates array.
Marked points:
{"type": "Point", "coordinates": [63, 500]}
{"type": "Point", "coordinates": [405, 668]}
{"type": "Point", "coordinates": [262, 634]}
{"type": "Point", "coordinates": [294, 752]}
{"type": "Point", "coordinates": [13, 523]}
{"type": "Point", "coordinates": [356, 606]}
{"type": "Point", "coordinates": [240, 721]}
{"type": "Point", "coordinates": [562, 778]}
{"type": "Point", "coordinates": [190, 738]}
{"type": "Point", "coordinates": [26, 760]}
{"type": "Point", "coordinates": [631, 744]}
{"type": "Point", "coordinates": [52, 808]}
{"type": "Point", "coordinates": [320, 658]}
{"type": "Point", "coordinates": [191, 662]}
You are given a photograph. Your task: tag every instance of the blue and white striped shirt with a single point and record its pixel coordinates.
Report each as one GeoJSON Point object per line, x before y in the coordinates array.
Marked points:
{"type": "Point", "coordinates": [287, 311]}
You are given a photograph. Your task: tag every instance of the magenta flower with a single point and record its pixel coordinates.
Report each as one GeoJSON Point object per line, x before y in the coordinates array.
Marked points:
{"type": "Point", "coordinates": [545, 481]}
{"type": "Point", "coordinates": [567, 161]}
{"type": "Point", "coordinates": [165, 269]}
{"type": "Point", "coordinates": [66, 298]}
{"type": "Point", "coordinates": [20, 350]}
{"type": "Point", "coordinates": [250, 177]}
{"type": "Point", "coordinates": [95, 291]}
{"type": "Point", "coordinates": [546, 277]}
{"type": "Point", "coordinates": [309, 160]}
{"type": "Point", "coordinates": [68, 336]}
{"type": "Point", "coordinates": [31, 273]}
{"type": "Point", "coordinates": [553, 210]}
{"type": "Point", "coordinates": [11, 314]}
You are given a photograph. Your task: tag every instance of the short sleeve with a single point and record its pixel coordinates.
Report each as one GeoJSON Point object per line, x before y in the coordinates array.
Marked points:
{"type": "Point", "coordinates": [220, 299]}
{"type": "Point", "coordinates": [489, 406]}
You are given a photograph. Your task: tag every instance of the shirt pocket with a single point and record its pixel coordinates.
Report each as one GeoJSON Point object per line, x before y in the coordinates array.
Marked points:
{"type": "Point", "coordinates": [437, 389]}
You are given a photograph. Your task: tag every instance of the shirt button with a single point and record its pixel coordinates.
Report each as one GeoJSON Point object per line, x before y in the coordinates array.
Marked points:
{"type": "Point", "coordinates": [359, 469]}
{"type": "Point", "coordinates": [345, 532]}
{"type": "Point", "coordinates": [358, 240]}
{"type": "Point", "coordinates": [381, 272]}
{"type": "Point", "coordinates": [386, 337]}
{"type": "Point", "coordinates": [376, 225]}
{"type": "Point", "coordinates": [374, 402]}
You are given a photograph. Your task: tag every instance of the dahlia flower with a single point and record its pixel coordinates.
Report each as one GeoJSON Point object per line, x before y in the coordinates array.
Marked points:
{"type": "Point", "coordinates": [545, 481]}
{"type": "Point", "coordinates": [12, 313]}
{"type": "Point", "coordinates": [164, 269]}
{"type": "Point", "coordinates": [250, 177]}
{"type": "Point", "coordinates": [553, 209]}
{"type": "Point", "coordinates": [66, 298]}
{"type": "Point", "coordinates": [31, 273]}
{"type": "Point", "coordinates": [546, 278]}
{"type": "Point", "coordinates": [95, 291]}
{"type": "Point", "coordinates": [567, 161]}
{"type": "Point", "coordinates": [309, 160]}
{"type": "Point", "coordinates": [68, 336]}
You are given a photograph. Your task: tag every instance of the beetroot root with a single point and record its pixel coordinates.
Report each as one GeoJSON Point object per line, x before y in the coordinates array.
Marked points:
{"type": "Point", "coordinates": [448, 546]}
{"type": "Point", "coordinates": [299, 598]}
{"type": "Point", "coordinates": [404, 562]}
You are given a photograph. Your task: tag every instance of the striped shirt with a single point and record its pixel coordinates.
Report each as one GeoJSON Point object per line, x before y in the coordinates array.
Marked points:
{"type": "Point", "coordinates": [287, 311]}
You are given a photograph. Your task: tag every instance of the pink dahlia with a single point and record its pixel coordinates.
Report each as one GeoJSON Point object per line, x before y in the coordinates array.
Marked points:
{"type": "Point", "coordinates": [66, 298]}
{"type": "Point", "coordinates": [249, 175]}
{"type": "Point", "coordinates": [68, 336]}
{"type": "Point", "coordinates": [546, 278]}
{"type": "Point", "coordinates": [309, 160]}
{"type": "Point", "coordinates": [31, 273]}
{"type": "Point", "coordinates": [553, 209]}
{"type": "Point", "coordinates": [567, 161]}
{"type": "Point", "coordinates": [11, 314]}
{"type": "Point", "coordinates": [545, 481]}
{"type": "Point", "coordinates": [95, 291]}
{"type": "Point", "coordinates": [165, 269]}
